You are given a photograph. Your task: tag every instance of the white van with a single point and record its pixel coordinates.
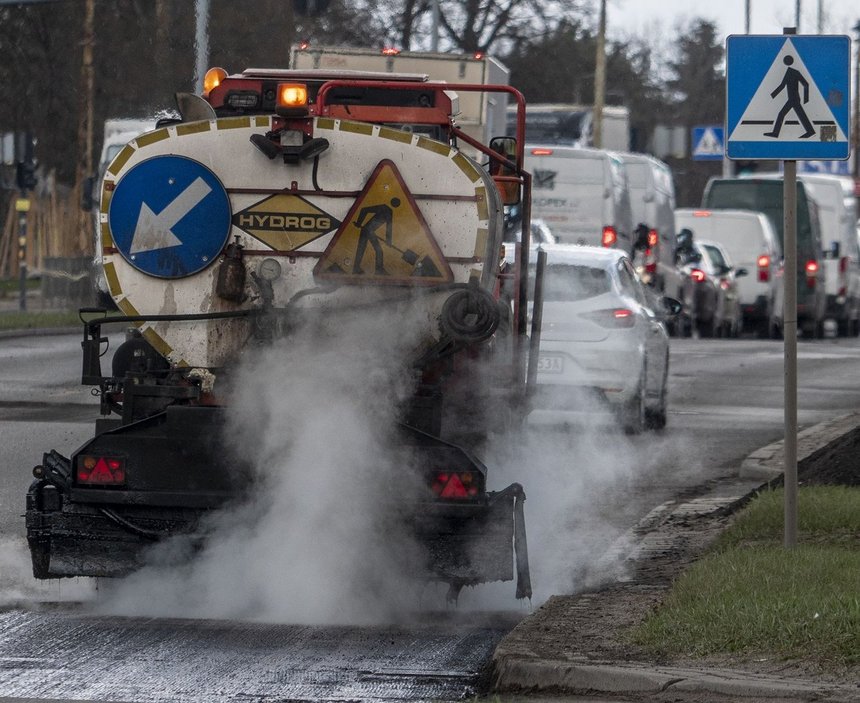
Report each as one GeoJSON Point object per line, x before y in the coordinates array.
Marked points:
{"type": "Point", "coordinates": [581, 194]}
{"type": "Point", "coordinates": [753, 245]}
{"type": "Point", "coordinates": [652, 201]}
{"type": "Point", "coordinates": [837, 211]}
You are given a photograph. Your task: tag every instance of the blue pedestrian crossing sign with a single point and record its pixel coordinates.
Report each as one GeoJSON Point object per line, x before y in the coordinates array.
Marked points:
{"type": "Point", "coordinates": [787, 97]}
{"type": "Point", "coordinates": [708, 143]}
{"type": "Point", "coordinates": [169, 216]}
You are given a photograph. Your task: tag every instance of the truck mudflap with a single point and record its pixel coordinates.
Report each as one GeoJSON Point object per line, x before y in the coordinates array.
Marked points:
{"type": "Point", "coordinates": [471, 544]}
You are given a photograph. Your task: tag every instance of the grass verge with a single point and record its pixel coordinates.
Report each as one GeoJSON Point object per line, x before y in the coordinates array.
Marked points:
{"type": "Point", "coordinates": [751, 596]}
{"type": "Point", "coordinates": [38, 320]}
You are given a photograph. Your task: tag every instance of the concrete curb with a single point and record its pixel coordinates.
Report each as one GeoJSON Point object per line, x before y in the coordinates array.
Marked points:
{"type": "Point", "coordinates": [515, 669]}
{"type": "Point", "coordinates": [523, 674]}
{"type": "Point", "coordinates": [767, 463]}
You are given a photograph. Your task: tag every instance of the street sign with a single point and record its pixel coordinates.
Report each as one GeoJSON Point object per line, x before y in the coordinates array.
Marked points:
{"type": "Point", "coordinates": [707, 142]}
{"type": "Point", "coordinates": [787, 97]}
{"type": "Point", "coordinates": [169, 216]}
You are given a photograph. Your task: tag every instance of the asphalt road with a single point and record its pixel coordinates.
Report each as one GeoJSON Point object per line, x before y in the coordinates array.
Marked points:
{"type": "Point", "coordinates": [586, 485]}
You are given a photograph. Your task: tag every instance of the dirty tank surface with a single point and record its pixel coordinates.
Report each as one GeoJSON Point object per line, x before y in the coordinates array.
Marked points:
{"type": "Point", "coordinates": [61, 654]}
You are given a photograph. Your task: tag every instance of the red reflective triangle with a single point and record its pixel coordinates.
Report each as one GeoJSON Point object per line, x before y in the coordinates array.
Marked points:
{"type": "Point", "coordinates": [454, 488]}
{"type": "Point", "coordinates": [101, 473]}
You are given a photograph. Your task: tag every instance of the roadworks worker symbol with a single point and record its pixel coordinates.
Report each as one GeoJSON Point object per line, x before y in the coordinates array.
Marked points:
{"type": "Point", "coordinates": [788, 106]}
{"type": "Point", "coordinates": [285, 222]}
{"type": "Point", "coordinates": [384, 238]}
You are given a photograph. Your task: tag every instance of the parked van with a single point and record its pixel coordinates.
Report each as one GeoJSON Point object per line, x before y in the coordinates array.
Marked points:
{"type": "Point", "coordinates": [652, 201]}
{"type": "Point", "coordinates": [582, 195]}
{"type": "Point", "coordinates": [752, 244]}
{"type": "Point", "coordinates": [766, 195]}
{"type": "Point", "coordinates": [838, 216]}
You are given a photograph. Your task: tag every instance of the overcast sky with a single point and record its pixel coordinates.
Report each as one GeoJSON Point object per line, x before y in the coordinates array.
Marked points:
{"type": "Point", "coordinates": [767, 16]}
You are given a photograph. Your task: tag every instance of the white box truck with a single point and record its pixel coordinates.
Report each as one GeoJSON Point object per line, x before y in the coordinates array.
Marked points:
{"type": "Point", "coordinates": [481, 116]}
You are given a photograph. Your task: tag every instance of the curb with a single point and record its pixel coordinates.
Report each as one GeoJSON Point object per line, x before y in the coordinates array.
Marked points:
{"type": "Point", "coordinates": [767, 463]}
{"type": "Point", "coordinates": [516, 669]}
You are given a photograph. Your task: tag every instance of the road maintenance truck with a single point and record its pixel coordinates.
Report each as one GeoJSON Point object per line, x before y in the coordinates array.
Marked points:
{"type": "Point", "coordinates": [277, 198]}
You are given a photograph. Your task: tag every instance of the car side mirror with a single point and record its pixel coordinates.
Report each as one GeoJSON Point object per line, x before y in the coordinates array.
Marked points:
{"type": "Point", "coordinates": [834, 249]}
{"type": "Point", "coordinates": [741, 272]}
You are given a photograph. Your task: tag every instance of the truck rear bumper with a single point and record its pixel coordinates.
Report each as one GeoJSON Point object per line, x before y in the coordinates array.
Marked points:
{"type": "Point", "coordinates": [463, 544]}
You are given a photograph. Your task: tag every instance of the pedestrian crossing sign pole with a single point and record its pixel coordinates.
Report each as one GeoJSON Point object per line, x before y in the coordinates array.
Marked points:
{"type": "Point", "coordinates": [788, 98]}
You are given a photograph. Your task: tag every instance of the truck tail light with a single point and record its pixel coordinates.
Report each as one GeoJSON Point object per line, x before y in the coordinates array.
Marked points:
{"type": "Point", "coordinates": [811, 269]}
{"type": "Point", "coordinates": [101, 470]}
{"type": "Point", "coordinates": [454, 485]}
{"type": "Point", "coordinates": [698, 275]}
{"type": "Point", "coordinates": [612, 318]}
{"type": "Point", "coordinates": [650, 261]}
{"type": "Point", "coordinates": [763, 263]}
{"type": "Point", "coordinates": [609, 237]}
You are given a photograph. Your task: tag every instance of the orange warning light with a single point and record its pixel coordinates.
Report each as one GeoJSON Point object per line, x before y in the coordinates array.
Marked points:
{"type": "Point", "coordinates": [213, 78]}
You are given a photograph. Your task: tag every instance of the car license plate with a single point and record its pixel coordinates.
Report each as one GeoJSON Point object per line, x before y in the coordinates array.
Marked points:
{"type": "Point", "coordinates": [550, 363]}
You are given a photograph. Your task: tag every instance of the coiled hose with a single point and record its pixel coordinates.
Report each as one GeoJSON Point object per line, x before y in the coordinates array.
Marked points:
{"type": "Point", "coordinates": [470, 315]}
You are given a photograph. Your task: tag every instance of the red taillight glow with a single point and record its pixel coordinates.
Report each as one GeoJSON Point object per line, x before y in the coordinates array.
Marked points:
{"type": "Point", "coordinates": [479, 55]}
{"type": "Point", "coordinates": [763, 263]}
{"type": "Point", "coordinates": [702, 213]}
{"type": "Point", "coordinates": [698, 275]}
{"type": "Point", "coordinates": [390, 51]}
{"type": "Point", "coordinates": [541, 152]}
{"type": "Point", "coordinates": [101, 470]}
{"type": "Point", "coordinates": [653, 238]}
{"type": "Point", "coordinates": [612, 317]}
{"type": "Point", "coordinates": [811, 272]}
{"type": "Point", "coordinates": [609, 237]}
{"type": "Point", "coordinates": [454, 486]}
{"type": "Point", "coordinates": [843, 264]}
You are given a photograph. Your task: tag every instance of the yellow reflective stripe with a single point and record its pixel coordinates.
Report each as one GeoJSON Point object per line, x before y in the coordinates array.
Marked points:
{"type": "Point", "coordinates": [193, 128]}
{"type": "Point", "coordinates": [121, 159]}
{"type": "Point", "coordinates": [233, 123]}
{"type": "Point", "coordinates": [152, 137]}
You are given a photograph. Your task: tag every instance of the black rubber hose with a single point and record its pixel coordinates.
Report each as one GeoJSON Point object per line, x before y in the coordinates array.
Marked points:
{"type": "Point", "coordinates": [469, 315]}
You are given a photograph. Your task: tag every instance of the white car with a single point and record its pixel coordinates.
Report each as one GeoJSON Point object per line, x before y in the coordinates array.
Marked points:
{"type": "Point", "coordinates": [602, 341]}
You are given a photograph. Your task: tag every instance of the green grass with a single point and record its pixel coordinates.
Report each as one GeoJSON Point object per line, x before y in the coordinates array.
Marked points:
{"type": "Point", "coordinates": [10, 287]}
{"type": "Point", "coordinates": [38, 320]}
{"type": "Point", "coordinates": [751, 596]}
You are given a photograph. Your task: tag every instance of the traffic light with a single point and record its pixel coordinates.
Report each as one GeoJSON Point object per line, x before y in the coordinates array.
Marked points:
{"type": "Point", "coordinates": [309, 8]}
{"type": "Point", "coordinates": [26, 175]}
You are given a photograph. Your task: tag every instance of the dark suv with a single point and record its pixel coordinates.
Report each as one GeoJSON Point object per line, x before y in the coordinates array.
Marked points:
{"type": "Point", "coordinates": [766, 195]}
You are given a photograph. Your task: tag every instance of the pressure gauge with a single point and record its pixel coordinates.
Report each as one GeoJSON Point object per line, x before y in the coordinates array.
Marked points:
{"type": "Point", "coordinates": [269, 269]}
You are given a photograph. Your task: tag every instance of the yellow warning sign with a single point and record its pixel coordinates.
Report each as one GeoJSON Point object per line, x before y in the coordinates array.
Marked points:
{"type": "Point", "coordinates": [384, 238]}
{"type": "Point", "coordinates": [285, 222]}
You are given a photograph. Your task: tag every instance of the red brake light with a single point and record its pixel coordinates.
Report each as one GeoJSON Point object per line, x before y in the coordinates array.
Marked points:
{"type": "Point", "coordinates": [811, 268]}
{"type": "Point", "coordinates": [763, 263]}
{"type": "Point", "coordinates": [609, 236]}
{"type": "Point", "coordinates": [653, 238]}
{"type": "Point", "coordinates": [698, 275]}
{"type": "Point", "coordinates": [390, 51]}
{"type": "Point", "coordinates": [454, 486]}
{"type": "Point", "coordinates": [702, 213]}
{"type": "Point", "coordinates": [101, 470]}
{"type": "Point", "coordinates": [479, 55]}
{"type": "Point", "coordinates": [612, 317]}
{"type": "Point", "coordinates": [542, 152]}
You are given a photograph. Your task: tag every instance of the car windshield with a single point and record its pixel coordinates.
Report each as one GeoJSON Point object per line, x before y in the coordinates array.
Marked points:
{"type": "Point", "coordinates": [569, 282]}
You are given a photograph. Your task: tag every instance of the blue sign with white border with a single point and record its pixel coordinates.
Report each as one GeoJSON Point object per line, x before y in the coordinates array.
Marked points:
{"type": "Point", "coordinates": [787, 97]}
{"type": "Point", "coordinates": [708, 142]}
{"type": "Point", "coordinates": [169, 216]}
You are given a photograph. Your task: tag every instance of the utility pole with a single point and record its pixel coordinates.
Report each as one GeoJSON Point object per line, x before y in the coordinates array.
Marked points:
{"type": "Point", "coordinates": [201, 42]}
{"type": "Point", "coordinates": [85, 128]}
{"type": "Point", "coordinates": [600, 77]}
{"type": "Point", "coordinates": [747, 17]}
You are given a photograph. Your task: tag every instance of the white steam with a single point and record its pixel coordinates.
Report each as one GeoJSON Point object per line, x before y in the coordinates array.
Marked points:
{"type": "Point", "coordinates": [318, 542]}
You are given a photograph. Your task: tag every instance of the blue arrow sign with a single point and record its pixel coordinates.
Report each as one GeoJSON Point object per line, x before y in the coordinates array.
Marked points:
{"type": "Point", "coordinates": [169, 216]}
{"type": "Point", "coordinates": [708, 143]}
{"type": "Point", "coordinates": [787, 97]}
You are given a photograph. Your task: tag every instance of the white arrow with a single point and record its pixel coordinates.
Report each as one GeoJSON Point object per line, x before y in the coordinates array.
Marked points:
{"type": "Point", "coordinates": [156, 231]}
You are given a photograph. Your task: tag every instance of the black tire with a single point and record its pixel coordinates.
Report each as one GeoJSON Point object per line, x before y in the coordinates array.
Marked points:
{"type": "Point", "coordinates": [633, 413]}
{"type": "Point", "coordinates": [655, 418]}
